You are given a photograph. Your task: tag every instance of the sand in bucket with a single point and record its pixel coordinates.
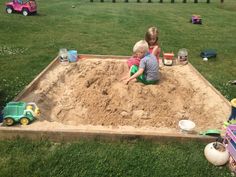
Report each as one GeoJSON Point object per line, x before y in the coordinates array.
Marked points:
{"type": "Point", "coordinates": [72, 55]}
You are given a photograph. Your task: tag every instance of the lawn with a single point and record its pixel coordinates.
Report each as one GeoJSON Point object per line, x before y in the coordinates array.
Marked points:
{"type": "Point", "coordinates": [29, 44]}
{"type": "Point", "coordinates": [102, 158]}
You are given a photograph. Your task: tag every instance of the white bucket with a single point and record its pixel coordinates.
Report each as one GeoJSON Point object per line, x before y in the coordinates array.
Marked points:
{"type": "Point", "coordinates": [183, 56]}
{"type": "Point", "coordinates": [63, 55]}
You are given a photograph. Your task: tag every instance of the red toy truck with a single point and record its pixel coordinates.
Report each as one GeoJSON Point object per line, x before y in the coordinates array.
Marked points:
{"type": "Point", "coordinates": [25, 7]}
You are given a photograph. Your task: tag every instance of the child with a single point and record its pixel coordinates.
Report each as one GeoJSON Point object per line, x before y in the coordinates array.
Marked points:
{"type": "Point", "coordinates": [147, 71]}
{"type": "Point", "coordinates": [151, 37]}
{"type": "Point", "coordinates": [134, 60]}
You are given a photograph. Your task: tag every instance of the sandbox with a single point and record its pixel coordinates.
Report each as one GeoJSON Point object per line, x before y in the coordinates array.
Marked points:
{"type": "Point", "coordinates": [88, 98]}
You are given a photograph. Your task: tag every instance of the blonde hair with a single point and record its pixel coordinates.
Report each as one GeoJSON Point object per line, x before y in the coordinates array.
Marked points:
{"type": "Point", "coordinates": [151, 32]}
{"type": "Point", "coordinates": [140, 46]}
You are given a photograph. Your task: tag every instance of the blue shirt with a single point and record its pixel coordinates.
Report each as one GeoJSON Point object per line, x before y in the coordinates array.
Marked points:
{"type": "Point", "coordinates": [151, 67]}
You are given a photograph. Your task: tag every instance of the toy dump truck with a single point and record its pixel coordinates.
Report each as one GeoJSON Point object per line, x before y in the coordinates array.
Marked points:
{"type": "Point", "coordinates": [22, 112]}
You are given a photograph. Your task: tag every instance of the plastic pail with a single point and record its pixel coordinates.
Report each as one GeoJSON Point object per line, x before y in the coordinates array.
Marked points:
{"type": "Point", "coordinates": [72, 55]}
{"type": "Point", "coordinates": [183, 56]}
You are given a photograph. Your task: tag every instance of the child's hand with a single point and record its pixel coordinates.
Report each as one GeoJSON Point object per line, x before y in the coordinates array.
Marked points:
{"type": "Point", "coordinates": [155, 47]}
{"type": "Point", "coordinates": [126, 81]}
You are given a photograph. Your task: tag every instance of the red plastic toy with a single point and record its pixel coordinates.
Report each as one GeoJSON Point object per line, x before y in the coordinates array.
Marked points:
{"type": "Point", "coordinates": [168, 58]}
{"type": "Point", "coordinates": [25, 7]}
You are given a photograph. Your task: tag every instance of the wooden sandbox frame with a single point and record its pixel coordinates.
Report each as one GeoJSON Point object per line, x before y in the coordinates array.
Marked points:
{"type": "Point", "coordinates": [59, 135]}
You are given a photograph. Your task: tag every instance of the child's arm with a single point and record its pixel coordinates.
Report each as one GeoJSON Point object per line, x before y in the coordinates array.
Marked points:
{"type": "Point", "coordinates": [138, 73]}
{"type": "Point", "coordinates": [126, 75]}
{"type": "Point", "coordinates": [156, 50]}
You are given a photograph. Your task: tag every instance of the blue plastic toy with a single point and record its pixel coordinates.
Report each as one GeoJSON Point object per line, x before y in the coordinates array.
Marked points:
{"type": "Point", "coordinates": [208, 53]}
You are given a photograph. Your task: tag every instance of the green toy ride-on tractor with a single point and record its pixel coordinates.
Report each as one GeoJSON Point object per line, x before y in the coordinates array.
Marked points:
{"type": "Point", "coordinates": [20, 112]}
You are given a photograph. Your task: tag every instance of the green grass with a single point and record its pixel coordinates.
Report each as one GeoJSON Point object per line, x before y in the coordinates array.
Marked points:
{"type": "Point", "coordinates": [99, 158]}
{"type": "Point", "coordinates": [28, 44]}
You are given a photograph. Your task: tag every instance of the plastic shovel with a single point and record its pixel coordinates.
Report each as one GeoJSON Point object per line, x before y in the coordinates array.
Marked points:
{"type": "Point", "coordinates": [211, 132]}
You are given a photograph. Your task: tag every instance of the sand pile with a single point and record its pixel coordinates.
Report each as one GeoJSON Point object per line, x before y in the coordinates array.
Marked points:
{"type": "Point", "coordinates": [90, 92]}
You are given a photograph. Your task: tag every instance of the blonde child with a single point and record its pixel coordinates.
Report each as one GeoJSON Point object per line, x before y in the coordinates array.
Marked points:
{"type": "Point", "coordinates": [151, 37]}
{"type": "Point", "coordinates": [147, 71]}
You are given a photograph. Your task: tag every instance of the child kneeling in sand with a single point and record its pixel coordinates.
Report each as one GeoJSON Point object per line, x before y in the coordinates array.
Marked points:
{"type": "Point", "coordinates": [148, 70]}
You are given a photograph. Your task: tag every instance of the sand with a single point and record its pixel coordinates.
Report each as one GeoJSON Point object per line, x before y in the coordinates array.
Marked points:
{"type": "Point", "coordinates": [90, 93]}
